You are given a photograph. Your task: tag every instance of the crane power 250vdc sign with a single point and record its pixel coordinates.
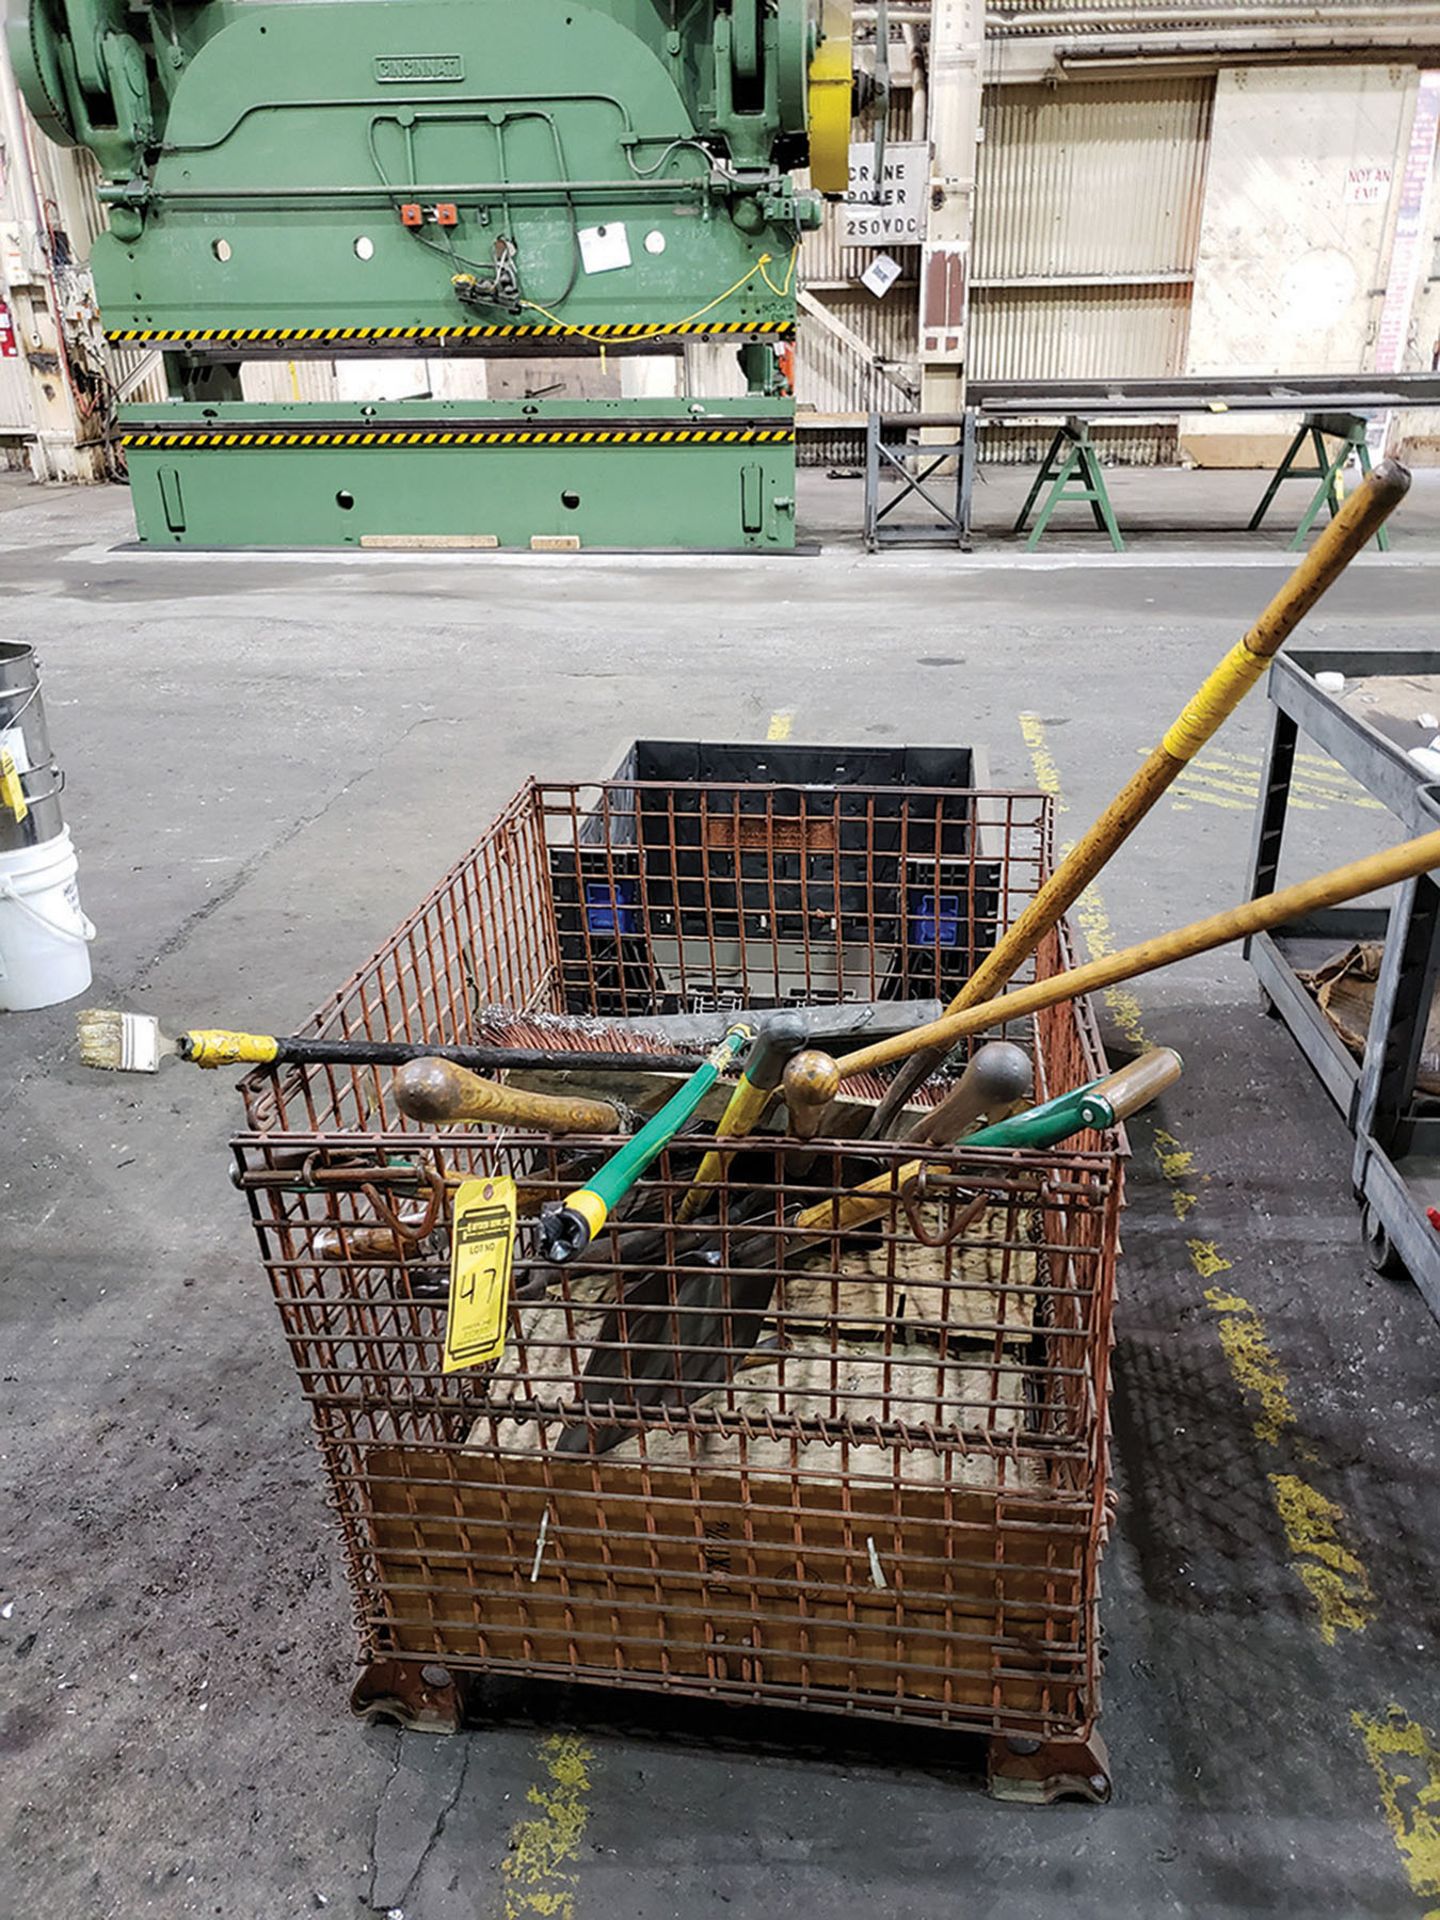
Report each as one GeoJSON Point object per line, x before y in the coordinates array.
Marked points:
{"type": "Point", "coordinates": [895, 215]}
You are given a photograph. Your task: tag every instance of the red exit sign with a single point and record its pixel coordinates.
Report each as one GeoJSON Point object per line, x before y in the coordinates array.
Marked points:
{"type": "Point", "coordinates": [9, 345]}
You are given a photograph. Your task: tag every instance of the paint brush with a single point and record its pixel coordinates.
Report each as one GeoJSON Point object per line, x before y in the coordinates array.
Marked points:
{"type": "Point", "coordinates": [134, 1043]}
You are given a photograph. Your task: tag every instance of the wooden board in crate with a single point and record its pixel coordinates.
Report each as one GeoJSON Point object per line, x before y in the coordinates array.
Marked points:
{"type": "Point", "coordinates": [822, 1379]}
{"type": "Point", "coordinates": [981, 1288]}
{"type": "Point", "coordinates": [739, 1584]}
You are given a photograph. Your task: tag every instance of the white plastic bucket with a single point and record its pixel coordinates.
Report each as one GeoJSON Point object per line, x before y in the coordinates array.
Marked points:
{"type": "Point", "coordinates": [44, 937]}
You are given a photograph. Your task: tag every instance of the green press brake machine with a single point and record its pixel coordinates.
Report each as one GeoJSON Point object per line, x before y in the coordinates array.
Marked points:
{"type": "Point", "coordinates": [428, 178]}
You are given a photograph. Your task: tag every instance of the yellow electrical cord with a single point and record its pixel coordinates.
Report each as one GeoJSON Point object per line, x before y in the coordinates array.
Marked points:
{"type": "Point", "coordinates": [781, 293]}
{"type": "Point", "coordinates": [651, 333]}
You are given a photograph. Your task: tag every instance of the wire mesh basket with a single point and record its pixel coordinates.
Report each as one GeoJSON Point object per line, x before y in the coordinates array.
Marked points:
{"type": "Point", "coordinates": [852, 1471]}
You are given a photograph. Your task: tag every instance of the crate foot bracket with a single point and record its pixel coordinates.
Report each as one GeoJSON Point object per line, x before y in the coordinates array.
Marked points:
{"type": "Point", "coordinates": [1348, 431]}
{"type": "Point", "coordinates": [422, 1698]}
{"type": "Point", "coordinates": [1034, 1773]}
{"type": "Point", "coordinates": [1071, 470]}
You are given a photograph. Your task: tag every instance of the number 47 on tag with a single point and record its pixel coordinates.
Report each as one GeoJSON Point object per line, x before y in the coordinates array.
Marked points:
{"type": "Point", "coordinates": [482, 1241]}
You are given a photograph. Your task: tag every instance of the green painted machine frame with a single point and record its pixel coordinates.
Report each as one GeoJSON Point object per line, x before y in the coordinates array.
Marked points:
{"type": "Point", "coordinates": [466, 473]}
{"type": "Point", "coordinates": [443, 177]}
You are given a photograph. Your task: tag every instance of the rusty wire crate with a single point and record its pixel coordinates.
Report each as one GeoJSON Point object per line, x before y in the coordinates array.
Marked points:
{"type": "Point", "coordinates": [868, 1474]}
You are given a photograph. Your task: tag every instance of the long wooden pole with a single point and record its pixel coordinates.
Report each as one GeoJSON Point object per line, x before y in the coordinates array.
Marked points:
{"type": "Point", "coordinates": [1359, 519]}
{"type": "Point", "coordinates": [1376, 870]}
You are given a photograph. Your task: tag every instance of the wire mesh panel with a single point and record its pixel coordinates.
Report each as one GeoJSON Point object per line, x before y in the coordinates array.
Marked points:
{"type": "Point", "coordinates": [729, 1455]}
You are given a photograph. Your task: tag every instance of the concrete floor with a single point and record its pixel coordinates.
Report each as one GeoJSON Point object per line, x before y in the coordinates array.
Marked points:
{"type": "Point", "coordinates": [270, 760]}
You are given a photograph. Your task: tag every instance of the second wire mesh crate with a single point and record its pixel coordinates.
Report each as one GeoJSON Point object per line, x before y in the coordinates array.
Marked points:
{"type": "Point", "coordinates": [859, 1472]}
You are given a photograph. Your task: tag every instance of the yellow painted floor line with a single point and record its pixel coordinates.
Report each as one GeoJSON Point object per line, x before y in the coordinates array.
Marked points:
{"type": "Point", "coordinates": [1334, 1576]}
{"type": "Point", "coordinates": [540, 1879]}
{"type": "Point", "coordinates": [1313, 788]}
{"type": "Point", "coordinates": [1314, 1527]}
{"type": "Point", "coordinates": [781, 726]}
{"type": "Point", "coordinates": [1407, 1767]}
{"type": "Point", "coordinates": [1403, 1754]}
{"type": "Point", "coordinates": [1247, 1348]}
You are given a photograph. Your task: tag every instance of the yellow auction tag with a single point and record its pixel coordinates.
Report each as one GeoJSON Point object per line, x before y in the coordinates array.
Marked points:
{"type": "Point", "coordinates": [12, 794]}
{"type": "Point", "coordinates": [482, 1239]}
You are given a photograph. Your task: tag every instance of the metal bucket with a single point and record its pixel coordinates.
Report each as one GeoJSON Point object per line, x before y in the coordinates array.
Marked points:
{"type": "Point", "coordinates": [23, 731]}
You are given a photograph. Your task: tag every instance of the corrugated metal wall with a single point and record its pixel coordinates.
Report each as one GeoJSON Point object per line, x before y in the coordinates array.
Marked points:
{"type": "Point", "coordinates": [830, 378]}
{"type": "Point", "coordinates": [1087, 225]}
{"type": "Point", "coordinates": [1086, 229]}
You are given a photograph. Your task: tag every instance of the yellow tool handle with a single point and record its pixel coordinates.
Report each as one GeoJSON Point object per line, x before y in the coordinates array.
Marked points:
{"type": "Point", "coordinates": [744, 1113]}
{"type": "Point", "coordinates": [861, 1205]}
{"type": "Point", "coordinates": [779, 1037]}
{"type": "Point", "coordinates": [1356, 524]}
{"type": "Point", "coordinates": [218, 1047]}
{"type": "Point", "coordinates": [1377, 870]}
{"type": "Point", "coordinates": [441, 1093]}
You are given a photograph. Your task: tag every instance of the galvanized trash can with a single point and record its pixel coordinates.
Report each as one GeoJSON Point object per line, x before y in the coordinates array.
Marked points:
{"type": "Point", "coordinates": [44, 935]}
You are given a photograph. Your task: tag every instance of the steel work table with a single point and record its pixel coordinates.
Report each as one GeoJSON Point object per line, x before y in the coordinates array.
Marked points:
{"type": "Point", "coordinates": [1396, 1172]}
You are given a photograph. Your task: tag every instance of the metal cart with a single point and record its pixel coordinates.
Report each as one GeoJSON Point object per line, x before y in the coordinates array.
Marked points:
{"type": "Point", "coordinates": [1396, 1127]}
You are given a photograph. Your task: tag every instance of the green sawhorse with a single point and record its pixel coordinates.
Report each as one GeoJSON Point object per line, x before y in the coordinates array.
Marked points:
{"type": "Point", "coordinates": [1348, 429]}
{"type": "Point", "coordinates": [1072, 457]}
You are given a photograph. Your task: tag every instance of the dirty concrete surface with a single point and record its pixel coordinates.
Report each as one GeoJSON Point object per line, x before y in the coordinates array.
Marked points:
{"type": "Point", "coordinates": [270, 761]}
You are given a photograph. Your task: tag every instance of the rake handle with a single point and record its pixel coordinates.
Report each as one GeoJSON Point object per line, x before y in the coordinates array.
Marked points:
{"type": "Point", "coordinates": [1405, 862]}
{"type": "Point", "coordinates": [1360, 518]}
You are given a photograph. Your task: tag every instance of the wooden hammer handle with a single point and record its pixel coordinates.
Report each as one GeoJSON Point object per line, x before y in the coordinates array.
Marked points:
{"type": "Point", "coordinates": [441, 1094]}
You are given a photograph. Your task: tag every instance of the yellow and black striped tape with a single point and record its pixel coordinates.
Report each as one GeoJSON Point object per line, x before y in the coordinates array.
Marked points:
{"type": "Point", "coordinates": [474, 437]}
{"type": "Point", "coordinates": [333, 336]}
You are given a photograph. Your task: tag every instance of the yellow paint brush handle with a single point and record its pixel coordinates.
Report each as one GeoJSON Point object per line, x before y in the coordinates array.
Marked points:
{"type": "Point", "coordinates": [218, 1047]}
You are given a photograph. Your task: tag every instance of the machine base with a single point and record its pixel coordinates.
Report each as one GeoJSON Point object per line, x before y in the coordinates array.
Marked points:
{"type": "Point", "coordinates": [717, 474]}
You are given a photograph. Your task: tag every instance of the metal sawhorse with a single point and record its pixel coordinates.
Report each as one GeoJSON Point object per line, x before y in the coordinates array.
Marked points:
{"type": "Point", "coordinates": [1348, 429]}
{"type": "Point", "coordinates": [1072, 457]}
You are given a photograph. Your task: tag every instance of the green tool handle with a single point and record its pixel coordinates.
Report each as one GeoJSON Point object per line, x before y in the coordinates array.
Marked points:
{"type": "Point", "coordinates": [569, 1230]}
{"type": "Point", "coordinates": [1098, 1105]}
